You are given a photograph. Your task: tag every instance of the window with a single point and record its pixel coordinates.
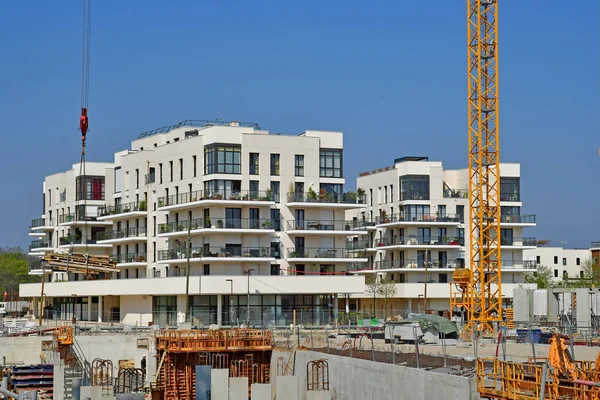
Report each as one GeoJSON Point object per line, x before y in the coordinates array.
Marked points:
{"type": "Point", "coordinates": [275, 164]}
{"type": "Point", "coordinates": [565, 275]}
{"type": "Point", "coordinates": [460, 212]}
{"type": "Point", "coordinates": [117, 179]}
{"type": "Point", "coordinates": [171, 170]}
{"type": "Point", "coordinates": [509, 211]}
{"type": "Point", "coordinates": [371, 197]}
{"type": "Point", "coordinates": [556, 273]}
{"type": "Point", "coordinates": [564, 261]}
{"type": "Point", "coordinates": [443, 278]}
{"type": "Point", "coordinates": [154, 226]}
{"type": "Point", "coordinates": [275, 191]}
{"type": "Point", "coordinates": [510, 189]}
{"type": "Point", "coordinates": [441, 211]}
{"type": "Point", "coordinates": [538, 260]}
{"type": "Point", "coordinates": [506, 237]}
{"type": "Point", "coordinates": [222, 159]}
{"type": "Point", "coordinates": [332, 188]}
{"type": "Point", "coordinates": [181, 169]}
{"type": "Point", "coordinates": [92, 189]}
{"type": "Point", "coordinates": [401, 278]}
{"type": "Point", "coordinates": [414, 187]}
{"type": "Point", "coordinates": [385, 195]}
{"type": "Point", "coordinates": [391, 193]}
{"type": "Point", "coordinates": [555, 259]}
{"type": "Point", "coordinates": [137, 178]}
{"type": "Point", "coordinates": [160, 173]}
{"type": "Point", "coordinates": [578, 261]}
{"type": "Point", "coordinates": [206, 269]}
{"type": "Point", "coordinates": [330, 163]}
{"type": "Point", "coordinates": [581, 274]}
{"type": "Point", "coordinates": [253, 163]}
{"type": "Point", "coordinates": [194, 160]}
{"type": "Point", "coordinates": [299, 165]}
{"type": "Point", "coordinates": [253, 189]}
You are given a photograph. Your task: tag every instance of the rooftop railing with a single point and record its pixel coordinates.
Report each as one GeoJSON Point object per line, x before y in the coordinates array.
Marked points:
{"type": "Point", "coordinates": [196, 123]}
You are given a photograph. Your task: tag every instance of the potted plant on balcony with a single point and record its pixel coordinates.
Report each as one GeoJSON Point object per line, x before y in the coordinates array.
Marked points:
{"type": "Point", "coordinates": [197, 253]}
{"type": "Point", "coordinates": [245, 197]}
{"type": "Point", "coordinates": [179, 227]}
{"type": "Point", "coordinates": [268, 195]}
{"type": "Point", "coordinates": [267, 224]}
{"type": "Point", "coordinates": [312, 195]}
{"type": "Point", "coordinates": [323, 195]}
{"type": "Point", "coordinates": [347, 226]}
{"type": "Point", "coordinates": [350, 197]}
{"type": "Point", "coordinates": [220, 223]}
{"type": "Point", "coordinates": [207, 222]}
{"type": "Point", "coordinates": [160, 202]}
{"type": "Point", "coordinates": [142, 205]}
{"type": "Point", "coordinates": [360, 193]}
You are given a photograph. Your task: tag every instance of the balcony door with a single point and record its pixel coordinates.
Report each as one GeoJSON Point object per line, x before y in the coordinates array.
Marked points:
{"type": "Point", "coordinates": [233, 218]}
{"type": "Point", "coordinates": [254, 218]}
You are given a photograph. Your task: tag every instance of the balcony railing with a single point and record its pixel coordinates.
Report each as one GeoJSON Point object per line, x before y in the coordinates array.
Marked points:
{"type": "Point", "coordinates": [316, 252]}
{"type": "Point", "coordinates": [39, 222]}
{"type": "Point", "coordinates": [518, 241]}
{"type": "Point", "coordinates": [596, 244]}
{"type": "Point", "coordinates": [323, 225]}
{"type": "Point", "coordinates": [214, 251]}
{"type": "Point", "coordinates": [66, 240]}
{"type": "Point", "coordinates": [518, 264]}
{"type": "Point", "coordinates": [419, 241]}
{"type": "Point", "coordinates": [110, 209]}
{"type": "Point", "coordinates": [221, 223]}
{"type": "Point", "coordinates": [416, 263]}
{"type": "Point", "coordinates": [510, 197]}
{"type": "Point", "coordinates": [223, 194]}
{"type": "Point", "coordinates": [75, 217]}
{"type": "Point", "coordinates": [122, 233]}
{"type": "Point", "coordinates": [38, 244]}
{"type": "Point", "coordinates": [357, 244]}
{"type": "Point", "coordinates": [456, 193]}
{"type": "Point", "coordinates": [518, 219]}
{"type": "Point", "coordinates": [129, 258]}
{"type": "Point", "coordinates": [414, 195]}
{"type": "Point", "coordinates": [337, 198]}
{"type": "Point", "coordinates": [385, 219]}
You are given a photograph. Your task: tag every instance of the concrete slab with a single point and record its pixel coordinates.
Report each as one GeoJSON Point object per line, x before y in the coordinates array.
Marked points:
{"type": "Point", "coordinates": [203, 382]}
{"type": "Point", "coordinates": [318, 395]}
{"type": "Point", "coordinates": [261, 391]}
{"type": "Point", "coordinates": [287, 388]}
{"type": "Point", "coordinates": [219, 384]}
{"type": "Point", "coordinates": [238, 388]}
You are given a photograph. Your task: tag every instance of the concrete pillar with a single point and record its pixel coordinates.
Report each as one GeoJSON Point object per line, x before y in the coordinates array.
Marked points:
{"type": "Point", "coordinates": [219, 309]}
{"type": "Point", "coordinates": [318, 310]}
{"type": "Point", "coordinates": [552, 306]}
{"type": "Point", "coordinates": [583, 313]}
{"type": "Point", "coordinates": [286, 387]}
{"type": "Point", "coordinates": [409, 305]}
{"type": "Point", "coordinates": [181, 308]}
{"type": "Point", "coordinates": [89, 316]}
{"type": "Point", "coordinates": [219, 384]}
{"type": "Point", "coordinates": [35, 308]}
{"type": "Point", "coordinates": [261, 391]}
{"type": "Point", "coordinates": [100, 306]}
{"type": "Point", "coordinates": [238, 388]}
{"type": "Point", "coordinates": [347, 303]}
{"type": "Point", "coordinates": [335, 307]}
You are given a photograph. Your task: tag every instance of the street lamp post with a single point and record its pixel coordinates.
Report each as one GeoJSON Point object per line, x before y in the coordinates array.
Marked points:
{"type": "Point", "coordinates": [230, 300]}
{"type": "Point", "coordinates": [248, 272]}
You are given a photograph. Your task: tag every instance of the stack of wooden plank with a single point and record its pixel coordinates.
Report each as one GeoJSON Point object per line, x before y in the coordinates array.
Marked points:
{"type": "Point", "coordinates": [81, 263]}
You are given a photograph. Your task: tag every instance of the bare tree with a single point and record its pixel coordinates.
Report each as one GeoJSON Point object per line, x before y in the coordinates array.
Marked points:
{"type": "Point", "coordinates": [387, 291]}
{"type": "Point", "coordinates": [372, 288]}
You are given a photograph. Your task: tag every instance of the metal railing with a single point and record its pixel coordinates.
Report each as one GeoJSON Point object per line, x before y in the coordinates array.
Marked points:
{"type": "Point", "coordinates": [122, 233]}
{"type": "Point", "coordinates": [129, 258]}
{"type": "Point", "coordinates": [66, 240]}
{"type": "Point", "coordinates": [216, 222]}
{"type": "Point", "coordinates": [414, 195]}
{"type": "Point", "coordinates": [596, 244]}
{"type": "Point", "coordinates": [519, 264]}
{"type": "Point", "coordinates": [39, 222]}
{"type": "Point", "coordinates": [111, 209]}
{"type": "Point", "coordinates": [216, 251]}
{"type": "Point", "coordinates": [314, 197]}
{"type": "Point", "coordinates": [510, 197]}
{"type": "Point", "coordinates": [518, 219]}
{"type": "Point", "coordinates": [416, 263]}
{"type": "Point", "coordinates": [222, 194]}
{"type": "Point", "coordinates": [323, 225]}
{"type": "Point", "coordinates": [526, 241]}
{"type": "Point", "coordinates": [456, 193]}
{"type": "Point", "coordinates": [197, 123]}
{"type": "Point", "coordinates": [39, 244]}
{"type": "Point", "coordinates": [416, 241]}
{"type": "Point", "coordinates": [80, 216]}
{"type": "Point", "coordinates": [357, 244]}
{"type": "Point", "coordinates": [317, 252]}
{"type": "Point", "coordinates": [429, 217]}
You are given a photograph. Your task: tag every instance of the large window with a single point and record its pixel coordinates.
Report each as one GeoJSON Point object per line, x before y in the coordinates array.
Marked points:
{"type": "Point", "coordinates": [510, 189]}
{"type": "Point", "coordinates": [92, 189]}
{"type": "Point", "coordinates": [117, 179]}
{"type": "Point", "coordinates": [332, 188]}
{"type": "Point", "coordinates": [330, 163]}
{"type": "Point", "coordinates": [222, 159]}
{"type": "Point", "coordinates": [414, 187]}
{"type": "Point", "coordinates": [299, 165]}
{"type": "Point", "coordinates": [253, 163]}
{"type": "Point", "coordinates": [275, 164]}
{"type": "Point", "coordinates": [275, 191]}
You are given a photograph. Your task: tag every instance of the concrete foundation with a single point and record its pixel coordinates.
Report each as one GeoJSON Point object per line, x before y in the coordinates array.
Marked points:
{"type": "Point", "coordinates": [261, 391]}
{"type": "Point", "coordinates": [219, 384]}
{"type": "Point", "coordinates": [238, 388]}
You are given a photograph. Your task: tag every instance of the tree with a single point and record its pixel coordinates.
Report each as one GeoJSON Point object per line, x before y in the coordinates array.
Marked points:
{"type": "Point", "coordinates": [590, 276]}
{"type": "Point", "coordinates": [14, 270]}
{"type": "Point", "coordinates": [372, 287]}
{"type": "Point", "coordinates": [542, 277]}
{"type": "Point", "coordinates": [387, 290]}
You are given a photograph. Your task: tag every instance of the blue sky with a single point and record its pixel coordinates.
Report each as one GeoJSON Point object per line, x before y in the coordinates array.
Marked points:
{"type": "Point", "coordinates": [390, 74]}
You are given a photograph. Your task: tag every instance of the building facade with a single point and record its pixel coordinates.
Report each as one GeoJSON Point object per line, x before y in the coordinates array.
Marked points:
{"type": "Point", "coordinates": [417, 217]}
{"type": "Point", "coordinates": [259, 217]}
{"type": "Point", "coordinates": [563, 263]}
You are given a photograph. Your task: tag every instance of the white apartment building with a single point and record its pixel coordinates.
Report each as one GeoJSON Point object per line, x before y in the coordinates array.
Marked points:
{"type": "Point", "coordinates": [262, 217]}
{"type": "Point", "coordinates": [416, 216]}
{"type": "Point", "coordinates": [563, 263]}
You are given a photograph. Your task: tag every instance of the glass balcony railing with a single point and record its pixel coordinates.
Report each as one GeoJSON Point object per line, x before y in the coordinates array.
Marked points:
{"type": "Point", "coordinates": [414, 195]}
{"type": "Point", "coordinates": [324, 225]}
{"type": "Point", "coordinates": [337, 198]}
{"type": "Point", "coordinates": [38, 244]}
{"type": "Point", "coordinates": [316, 252]}
{"type": "Point", "coordinates": [220, 223]}
{"type": "Point", "coordinates": [456, 193]}
{"type": "Point", "coordinates": [516, 241]}
{"type": "Point", "coordinates": [386, 219]}
{"type": "Point", "coordinates": [67, 240]}
{"type": "Point", "coordinates": [419, 241]}
{"type": "Point", "coordinates": [357, 244]}
{"type": "Point", "coordinates": [75, 217]}
{"type": "Point", "coordinates": [519, 264]}
{"type": "Point", "coordinates": [596, 245]}
{"type": "Point", "coordinates": [129, 258]}
{"type": "Point", "coordinates": [110, 209]}
{"type": "Point", "coordinates": [122, 233]}
{"type": "Point", "coordinates": [518, 219]}
{"type": "Point", "coordinates": [214, 251]}
{"type": "Point", "coordinates": [222, 194]}
{"type": "Point", "coordinates": [39, 222]}
{"type": "Point", "coordinates": [417, 263]}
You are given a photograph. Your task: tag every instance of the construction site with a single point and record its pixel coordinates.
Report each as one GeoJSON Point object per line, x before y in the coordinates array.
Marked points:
{"type": "Point", "coordinates": [271, 331]}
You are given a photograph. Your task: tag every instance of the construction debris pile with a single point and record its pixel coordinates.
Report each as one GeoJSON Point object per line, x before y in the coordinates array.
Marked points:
{"type": "Point", "coordinates": [81, 263]}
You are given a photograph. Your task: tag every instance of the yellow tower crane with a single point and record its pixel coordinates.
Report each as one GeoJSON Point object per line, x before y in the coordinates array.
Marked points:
{"type": "Point", "coordinates": [480, 290]}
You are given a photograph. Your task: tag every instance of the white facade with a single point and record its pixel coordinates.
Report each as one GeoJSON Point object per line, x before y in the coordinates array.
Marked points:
{"type": "Point", "coordinates": [243, 201]}
{"type": "Point", "coordinates": [563, 263]}
{"type": "Point", "coordinates": [417, 215]}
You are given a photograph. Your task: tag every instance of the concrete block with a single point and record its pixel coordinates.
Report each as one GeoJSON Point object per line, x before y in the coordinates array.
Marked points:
{"type": "Point", "coordinates": [318, 395]}
{"type": "Point", "coordinates": [238, 388]}
{"type": "Point", "coordinates": [287, 388]}
{"type": "Point", "coordinates": [203, 382]}
{"type": "Point", "coordinates": [58, 380]}
{"type": "Point", "coordinates": [219, 384]}
{"type": "Point", "coordinates": [261, 391]}
{"type": "Point", "coordinates": [91, 392]}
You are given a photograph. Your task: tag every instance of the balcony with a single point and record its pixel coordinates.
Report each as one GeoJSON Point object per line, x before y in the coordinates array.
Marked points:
{"type": "Point", "coordinates": [414, 195]}
{"type": "Point", "coordinates": [41, 224]}
{"type": "Point", "coordinates": [317, 254]}
{"type": "Point", "coordinates": [419, 219]}
{"type": "Point", "coordinates": [122, 235]}
{"type": "Point", "coordinates": [214, 253]}
{"type": "Point", "coordinates": [518, 219]}
{"type": "Point", "coordinates": [456, 193]}
{"type": "Point", "coordinates": [413, 241]}
{"type": "Point", "coordinates": [519, 264]}
{"type": "Point", "coordinates": [39, 246]}
{"type": "Point", "coordinates": [518, 242]}
{"type": "Point", "coordinates": [314, 199]}
{"type": "Point", "coordinates": [357, 244]}
{"type": "Point", "coordinates": [131, 259]}
{"type": "Point", "coordinates": [417, 263]}
{"type": "Point", "coordinates": [328, 227]}
{"type": "Point", "coordinates": [224, 196]}
{"type": "Point", "coordinates": [78, 219]}
{"type": "Point", "coordinates": [123, 210]}
{"type": "Point", "coordinates": [35, 267]}
{"type": "Point", "coordinates": [216, 225]}
{"type": "Point", "coordinates": [80, 241]}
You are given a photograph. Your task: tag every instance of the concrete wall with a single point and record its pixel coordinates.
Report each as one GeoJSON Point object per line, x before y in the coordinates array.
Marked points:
{"type": "Point", "coordinates": [355, 379]}
{"type": "Point", "coordinates": [136, 310]}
